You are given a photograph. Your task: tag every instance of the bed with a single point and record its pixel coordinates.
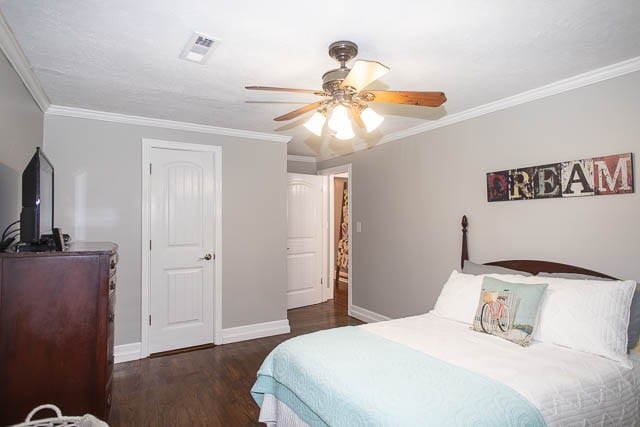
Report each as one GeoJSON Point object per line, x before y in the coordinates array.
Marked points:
{"type": "Point", "coordinates": [430, 370]}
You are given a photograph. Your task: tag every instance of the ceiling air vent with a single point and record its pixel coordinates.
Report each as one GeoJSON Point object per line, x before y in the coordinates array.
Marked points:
{"type": "Point", "coordinates": [199, 47]}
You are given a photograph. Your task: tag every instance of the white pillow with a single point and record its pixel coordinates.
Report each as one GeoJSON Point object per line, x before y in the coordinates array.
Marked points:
{"type": "Point", "coordinates": [587, 315]}
{"type": "Point", "coordinates": [459, 297]}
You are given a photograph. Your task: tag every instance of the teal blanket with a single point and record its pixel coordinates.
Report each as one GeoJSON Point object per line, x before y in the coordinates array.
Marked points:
{"type": "Point", "coordinates": [350, 377]}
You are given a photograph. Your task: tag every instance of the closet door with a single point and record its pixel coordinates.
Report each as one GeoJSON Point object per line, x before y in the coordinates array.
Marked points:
{"type": "Point", "coordinates": [304, 240]}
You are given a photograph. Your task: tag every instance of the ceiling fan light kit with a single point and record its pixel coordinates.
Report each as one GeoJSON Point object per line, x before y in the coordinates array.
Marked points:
{"type": "Point", "coordinates": [344, 95]}
{"type": "Point", "coordinates": [345, 133]}
{"type": "Point", "coordinates": [371, 119]}
{"type": "Point", "coordinates": [339, 118]}
{"type": "Point", "coordinates": [340, 123]}
{"type": "Point", "coordinates": [316, 123]}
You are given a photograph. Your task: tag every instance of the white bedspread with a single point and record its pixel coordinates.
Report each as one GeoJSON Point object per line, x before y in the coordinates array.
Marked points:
{"type": "Point", "coordinates": [568, 387]}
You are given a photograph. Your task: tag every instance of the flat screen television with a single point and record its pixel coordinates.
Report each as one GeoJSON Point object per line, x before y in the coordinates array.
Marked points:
{"type": "Point", "coordinates": [36, 218]}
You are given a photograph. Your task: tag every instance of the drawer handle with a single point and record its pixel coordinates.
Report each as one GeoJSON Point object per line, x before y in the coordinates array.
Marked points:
{"type": "Point", "coordinates": [112, 286]}
{"type": "Point", "coordinates": [111, 317]}
{"type": "Point", "coordinates": [113, 264]}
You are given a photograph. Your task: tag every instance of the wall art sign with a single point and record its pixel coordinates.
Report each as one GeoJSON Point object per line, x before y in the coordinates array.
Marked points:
{"type": "Point", "coordinates": [588, 177]}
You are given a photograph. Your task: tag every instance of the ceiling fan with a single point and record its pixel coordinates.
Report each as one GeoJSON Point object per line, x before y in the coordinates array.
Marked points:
{"type": "Point", "coordinates": [345, 97]}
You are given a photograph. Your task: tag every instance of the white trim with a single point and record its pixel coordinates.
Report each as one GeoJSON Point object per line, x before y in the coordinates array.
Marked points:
{"type": "Point", "coordinates": [20, 63]}
{"type": "Point", "coordinates": [59, 110]}
{"type": "Point", "coordinates": [330, 258]}
{"type": "Point", "coordinates": [590, 77]}
{"type": "Point", "coordinates": [257, 330]}
{"type": "Point", "coordinates": [306, 159]}
{"type": "Point", "coordinates": [327, 280]}
{"type": "Point", "coordinates": [365, 315]}
{"type": "Point", "coordinates": [147, 145]}
{"type": "Point", "coordinates": [127, 352]}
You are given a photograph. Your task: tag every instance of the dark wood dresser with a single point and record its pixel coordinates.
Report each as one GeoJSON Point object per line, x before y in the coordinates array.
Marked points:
{"type": "Point", "coordinates": [56, 330]}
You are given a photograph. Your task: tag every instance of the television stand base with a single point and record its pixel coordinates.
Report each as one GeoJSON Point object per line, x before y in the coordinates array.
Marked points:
{"type": "Point", "coordinates": [33, 247]}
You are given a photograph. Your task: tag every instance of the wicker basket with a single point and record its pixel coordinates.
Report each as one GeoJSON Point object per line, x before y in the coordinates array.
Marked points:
{"type": "Point", "coordinates": [59, 420]}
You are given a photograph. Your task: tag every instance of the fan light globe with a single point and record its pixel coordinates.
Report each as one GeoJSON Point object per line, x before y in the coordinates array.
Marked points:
{"type": "Point", "coordinates": [339, 120]}
{"type": "Point", "coordinates": [371, 119]}
{"type": "Point", "coordinates": [315, 123]}
{"type": "Point", "coordinates": [346, 132]}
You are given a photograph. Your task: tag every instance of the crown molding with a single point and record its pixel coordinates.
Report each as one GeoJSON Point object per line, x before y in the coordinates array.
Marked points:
{"type": "Point", "coordinates": [590, 77]}
{"type": "Point", "coordinates": [306, 159]}
{"type": "Point", "coordinates": [60, 110]}
{"type": "Point", "coordinates": [20, 63]}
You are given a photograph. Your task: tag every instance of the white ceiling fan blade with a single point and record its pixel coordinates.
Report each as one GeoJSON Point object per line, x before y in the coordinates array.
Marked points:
{"type": "Point", "coordinates": [364, 73]}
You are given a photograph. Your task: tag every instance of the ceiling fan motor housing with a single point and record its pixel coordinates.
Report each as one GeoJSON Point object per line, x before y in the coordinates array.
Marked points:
{"type": "Point", "coordinates": [332, 79]}
{"type": "Point", "coordinates": [343, 51]}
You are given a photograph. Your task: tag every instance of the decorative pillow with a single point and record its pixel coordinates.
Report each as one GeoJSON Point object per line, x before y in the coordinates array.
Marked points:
{"type": "Point", "coordinates": [588, 315]}
{"type": "Point", "coordinates": [459, 297]}
{"type": "Point", "coordinates": [633, 332]}
{"type": "Point", "coordinates": [509, 310]}
{"type": "Point", "coordinates": [477, 269]}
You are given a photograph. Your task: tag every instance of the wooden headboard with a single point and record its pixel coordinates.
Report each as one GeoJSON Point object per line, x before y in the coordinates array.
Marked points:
{"type": "Point", "coordinates": [528, 265]}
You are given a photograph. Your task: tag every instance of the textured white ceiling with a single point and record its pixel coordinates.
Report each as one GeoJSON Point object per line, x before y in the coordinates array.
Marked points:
{"type": "Point", "coordinates": [122, 55]}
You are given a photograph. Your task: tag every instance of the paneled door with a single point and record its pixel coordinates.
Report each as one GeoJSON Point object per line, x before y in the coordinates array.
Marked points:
{"type": "Point", "coordinates": [304, 240]}
{"type": "Point", "coordinates": [182, 257]}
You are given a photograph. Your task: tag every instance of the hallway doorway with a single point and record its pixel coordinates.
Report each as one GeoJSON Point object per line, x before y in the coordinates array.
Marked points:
{"type": "Point", "coordinates": [338, 240]}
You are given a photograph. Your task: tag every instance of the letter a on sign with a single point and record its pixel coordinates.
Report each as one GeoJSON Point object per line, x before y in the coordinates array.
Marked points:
{"type": "Point", "coordinates": [577, 178]}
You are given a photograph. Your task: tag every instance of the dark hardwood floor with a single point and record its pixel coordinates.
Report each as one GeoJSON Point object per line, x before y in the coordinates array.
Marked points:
{"type": "Point", "coordinates": [209, 387]}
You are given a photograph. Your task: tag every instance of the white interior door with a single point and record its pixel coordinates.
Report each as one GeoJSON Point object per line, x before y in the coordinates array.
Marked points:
{"type": "Point", "coordinates": [182, 249]}
{"type": "Point", "coordinates": [304, 240]}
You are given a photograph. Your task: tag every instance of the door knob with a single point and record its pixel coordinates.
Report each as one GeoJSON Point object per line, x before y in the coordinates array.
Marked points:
{"type": "Point", "coordinates": [207, 257]}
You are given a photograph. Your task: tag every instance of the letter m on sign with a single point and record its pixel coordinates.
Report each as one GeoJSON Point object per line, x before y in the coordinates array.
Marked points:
{"type": "Point", "coordinates": [613, 174]}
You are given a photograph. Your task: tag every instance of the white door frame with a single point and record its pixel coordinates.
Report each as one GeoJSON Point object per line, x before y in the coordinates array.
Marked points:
{"type": "Point", "coordinates": [147, 145]}
{"type": "Point", "coordinates": [329, 256]}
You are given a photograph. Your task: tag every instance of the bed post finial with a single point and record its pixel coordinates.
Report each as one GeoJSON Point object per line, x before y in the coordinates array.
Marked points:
{"type": "Point", "coordinates": [464, 256]}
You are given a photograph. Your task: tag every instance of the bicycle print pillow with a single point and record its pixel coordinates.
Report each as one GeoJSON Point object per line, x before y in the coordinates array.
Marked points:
{"type": "Point", "coordinates": [509, 310]}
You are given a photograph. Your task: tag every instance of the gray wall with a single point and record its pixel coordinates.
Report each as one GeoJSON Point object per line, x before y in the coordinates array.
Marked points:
{"type": "Point", "coordinates": [295, 166]}
{"type": "Point", "coordinates": [410, 195]}
{"type": "Point", "coordinates": [98, 197]}
{"type": "Point", "coordinates": [20, 133]}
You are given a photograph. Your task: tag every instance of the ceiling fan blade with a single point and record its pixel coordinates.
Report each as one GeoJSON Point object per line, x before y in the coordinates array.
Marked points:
{"type": "Point", "coordinates": [423, 99]}
{"type": "Point", "coordinates": [300, 111]}
{"type": "Point", "coordinates": [363, 73]}
{"type": "Point", "coordinates": [286, 89]}
{"type": "Point", "coordinates": [355, 116]}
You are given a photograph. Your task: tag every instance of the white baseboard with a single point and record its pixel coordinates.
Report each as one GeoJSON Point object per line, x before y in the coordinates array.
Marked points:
{"type": "Point", "coordinates": [365, 315]}
{"type": "Point", "coordinates": [127, 352]}
{"type": "Point", "coordinates": [257, 330]}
